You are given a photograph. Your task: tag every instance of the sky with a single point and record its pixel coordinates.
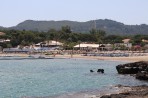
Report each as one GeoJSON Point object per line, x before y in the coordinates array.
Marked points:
{"type": "Point", "coordinates": [129, 12]}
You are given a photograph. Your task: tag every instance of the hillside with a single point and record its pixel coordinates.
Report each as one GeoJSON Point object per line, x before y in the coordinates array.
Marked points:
{"type": "Point", "coordinates": [2, 27]}
{"type": "Point", "coordinates": [110, 26]}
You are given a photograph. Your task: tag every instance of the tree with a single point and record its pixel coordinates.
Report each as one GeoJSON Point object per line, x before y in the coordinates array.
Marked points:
{"type": "Point", "coordinates": [9, 45]}
{"type": "Point", "coordinates": [98, 35]}
{"type": "Point", "coordinates": [66, 29]}
{"type": "Point", "coordinates": [93, 31]}
{"type": "Point", "coordinates": [79, 42]}
{"type": "Point", "coordinates": [137, 39]}
{"type": "Point", "coordinates": [113, 39]}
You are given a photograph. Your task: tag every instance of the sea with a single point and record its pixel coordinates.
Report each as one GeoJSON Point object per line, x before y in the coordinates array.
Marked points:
{"type": "Point", "coordinates": [59, 78]}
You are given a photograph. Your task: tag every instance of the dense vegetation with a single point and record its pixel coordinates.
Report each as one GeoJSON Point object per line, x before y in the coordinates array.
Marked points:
{"type": "Point", "coordinates": [65, 35]}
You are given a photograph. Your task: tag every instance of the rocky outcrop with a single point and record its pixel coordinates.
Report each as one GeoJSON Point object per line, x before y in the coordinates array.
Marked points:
{"type": "Point", "coordinates": [135, 92]}
{"type": "Point", "coordinates": [138, 68]}
{"type": "Point", "coordinates": [142, 76]}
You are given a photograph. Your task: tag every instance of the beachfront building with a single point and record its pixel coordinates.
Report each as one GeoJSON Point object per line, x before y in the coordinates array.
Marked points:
{"type": "Point", "coordinates": [93, 47]}
{"type": "Point", "coordinates": [4, 40]}
{"type": "Point", "coordinates": [40, 47]}
{"type": "Point", "coordinates": [48, 46]}
{"type": "Point", "coordinates": [17, 50]}
{"type": "Point", "coordinates": [143, 40]}
{"type": "Point", "coordinates": [105, 47]}
{"type": "Point", "coordinates": [146, 48]}
{"type": "Point", "coordinates": [2, 33]}
{"type": "Point", "coordinates": [87, 47]}
{"type": "Point", "coordinates": [125, 45]}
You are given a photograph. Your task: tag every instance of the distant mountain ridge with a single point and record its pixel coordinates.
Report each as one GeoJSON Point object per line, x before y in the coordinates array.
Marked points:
{"type": "Point", "coordinates": [110, 26]}
{"type": "Point", "coordinates": [2, 27]}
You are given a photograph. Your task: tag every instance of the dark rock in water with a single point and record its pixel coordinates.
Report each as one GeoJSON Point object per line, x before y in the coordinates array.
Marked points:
{"type": "Point", "coordinates": [132, 68]}
{"type": "Point", "coordinates": [114, 96]}
{"type": "Point", "coordinates": [100, 70]}
{"type": "Point", "coordinates": [91, 71]}
{"type": "Point", "coordinates": [106, 96]}
{"type": "Point", "coordinates": [142, 76]}
{"type": "Point", "coordinates": [138, 68]}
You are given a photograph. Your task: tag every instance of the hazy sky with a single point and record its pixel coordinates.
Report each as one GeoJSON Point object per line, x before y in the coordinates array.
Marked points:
{"type": "Point", "coordinates": [13, 12]}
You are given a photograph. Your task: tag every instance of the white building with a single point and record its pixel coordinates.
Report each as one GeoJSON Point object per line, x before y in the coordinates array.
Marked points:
{"type": "Point", "coordinates": [126, 43]}
{"type": "Point", "coordinates": [86, 46]}
{"type": "Point", "coordinates": [4, 40]}
{"type": "Point", "coordinates": [48, 45]}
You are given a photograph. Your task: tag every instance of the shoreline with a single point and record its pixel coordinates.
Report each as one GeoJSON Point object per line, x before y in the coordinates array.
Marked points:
{"type": "Point", "coordinates": [117, 91]}
{"type": "Point", "coordinates": [130, 92]}
{"type": "Point", "coordinates": [129, 59]}
{"type": "Point", "coordinates": [79, 56]}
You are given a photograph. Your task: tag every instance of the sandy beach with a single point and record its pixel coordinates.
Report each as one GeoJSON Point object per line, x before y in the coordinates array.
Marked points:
{"type": "Point", "coordinates": [130, 58]}
{"type": "Point", "coordinates": [79, 56]}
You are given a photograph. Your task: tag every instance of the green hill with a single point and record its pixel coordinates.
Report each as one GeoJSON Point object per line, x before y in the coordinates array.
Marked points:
{"type": "Point", "coordinates": [110, 26]}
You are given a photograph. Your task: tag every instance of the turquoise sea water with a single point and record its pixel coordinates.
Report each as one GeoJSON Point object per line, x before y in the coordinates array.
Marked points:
{"type": "Point", "coordinates": [50, 77]}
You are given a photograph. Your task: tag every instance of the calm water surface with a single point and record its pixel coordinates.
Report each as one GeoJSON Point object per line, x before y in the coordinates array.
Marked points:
{"type": "Point", "coordinates": [50, 77]}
